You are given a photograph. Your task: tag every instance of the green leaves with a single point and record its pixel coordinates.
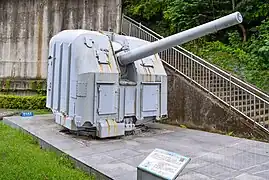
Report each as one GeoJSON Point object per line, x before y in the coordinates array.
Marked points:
{"type": "Point", "coordinates": [146, 9]}
{"type": "Point", "coordinates": [249, 64]}
{"type": "Point", "coordinates": [22, 102]}
{"type": "Point", "coordinates": [226, 49]}
{"type": "Point", "coordinates": [183, 15]}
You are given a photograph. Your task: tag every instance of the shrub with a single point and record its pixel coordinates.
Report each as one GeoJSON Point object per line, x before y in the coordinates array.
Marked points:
{"type": "Point", "coordinates": [22, 102]}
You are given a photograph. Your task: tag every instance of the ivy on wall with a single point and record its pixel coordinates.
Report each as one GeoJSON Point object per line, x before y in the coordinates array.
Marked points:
{"type": "Point", "coordinates": [37, 86]}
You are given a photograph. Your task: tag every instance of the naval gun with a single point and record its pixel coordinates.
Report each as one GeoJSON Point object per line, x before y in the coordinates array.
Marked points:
{"type": "Point", "coordinates": [107, 83]}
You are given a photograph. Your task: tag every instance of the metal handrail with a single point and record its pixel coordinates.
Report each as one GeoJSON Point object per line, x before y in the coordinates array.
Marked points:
{"type": "Point", "coordinates": [180, 55]}
{"type": "Point", "coordinates": [158, 36]}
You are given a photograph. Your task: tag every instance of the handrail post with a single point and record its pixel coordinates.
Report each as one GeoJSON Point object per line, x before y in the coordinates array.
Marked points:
{"type": "Point", "coordinates": [235, 84]}
{"type": "Point", "coordinates": [191, 68]}
{"type": "Point", "coordinates": [139, 30]}
{"type": "Point", "coordinates": [130, 26]}
{"type": "Point", "coordinates": [254, 118]}
{"type": "Point", "coordinates": [209, 84]}
{"type": "Point", "coordinates": [121, 27]}
{"type": "Point", "coordinates": [230, 81]}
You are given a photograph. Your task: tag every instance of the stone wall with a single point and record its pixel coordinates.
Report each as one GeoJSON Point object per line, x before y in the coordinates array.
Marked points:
{"type": "Point", "coordinates": [190, 106]}
{"type": "Point", "coordinates": [26, 27]}
{"type": "Point", "coordinates": [23, 87]}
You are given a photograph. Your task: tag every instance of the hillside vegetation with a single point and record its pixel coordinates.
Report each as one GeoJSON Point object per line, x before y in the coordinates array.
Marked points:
{"type": "Point", "coordinates": [242, 50]}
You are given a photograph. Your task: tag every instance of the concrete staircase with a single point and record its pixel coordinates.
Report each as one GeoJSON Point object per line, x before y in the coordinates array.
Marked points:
{"type": "Point", "coordinates": [240, 96]}
{"type": "Point", "coordinates": [251, 105]}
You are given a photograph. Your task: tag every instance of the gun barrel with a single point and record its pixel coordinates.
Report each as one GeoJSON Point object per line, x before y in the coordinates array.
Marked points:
{"type": "Point", "coordinates": [180, 38]}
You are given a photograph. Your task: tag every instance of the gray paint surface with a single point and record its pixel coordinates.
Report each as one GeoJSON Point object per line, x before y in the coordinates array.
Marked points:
{"type": "Point", "coordinates": [27, 26]}
{"type": "Point", "coordinates": [213, 156]}
{"type": "Point", "coordinates": [86, 87]}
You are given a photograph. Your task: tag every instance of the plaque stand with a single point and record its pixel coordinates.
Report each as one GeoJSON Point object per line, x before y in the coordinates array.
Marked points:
{"type": "Point", "coordinates": [161, 165]}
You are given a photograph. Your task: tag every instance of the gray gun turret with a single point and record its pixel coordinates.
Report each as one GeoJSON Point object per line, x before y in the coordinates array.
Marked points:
{"type": "Point", "coordinates": [88, 91]}
{"type": "Point", "coordinates": [180, 38]}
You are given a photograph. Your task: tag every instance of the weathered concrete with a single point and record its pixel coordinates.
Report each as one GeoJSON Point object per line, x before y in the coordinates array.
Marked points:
{"type": "Point", "coordinates": [26, 27]}
{"type": "Point", "coordinates": [213, 156]}
{"type": "Point", "coordinates": [22, 87]}
{"type": "Point", "coordinates": [7, 113]}
{"type": "Point", "coordinates": [189, 105]}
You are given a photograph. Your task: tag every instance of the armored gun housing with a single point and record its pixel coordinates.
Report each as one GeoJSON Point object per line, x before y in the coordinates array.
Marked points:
{"type": "Point", "coordinates": [107, 83]}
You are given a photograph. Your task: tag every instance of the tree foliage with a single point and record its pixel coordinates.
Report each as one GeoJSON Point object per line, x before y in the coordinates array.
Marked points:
{"type": "Point", "coordinates": [242, 50]}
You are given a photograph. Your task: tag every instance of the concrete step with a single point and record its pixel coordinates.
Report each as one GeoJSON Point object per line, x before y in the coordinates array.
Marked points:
{"type": "Point", "coordinates": [221, 86]}
{"type": "Point", "coordinates": [246, 103]}
{"type": "Point", "coordinates": [247, 107]}
{"type": "Point", "coordinates": [258, 112]}
{"type": "Point", "coordinates": [227, 94]}
{"type": "Point", "coordinates": [214, 84]}
{"type": "Point", "coordinates": [243, 101]}
{"type": "Point", "coordinates": [234, 97]}
{"type": "Point", "coordinates": [249, 102]}
{"type": "Point", "coordinates": [264, 123]}
{"type": "Point", "coordinates": [240, 99]}
{"type": "Point", "coordinates": [208, 78]}
{"type": "Point", "coordinates": [225, 86]}
{"type": "Point", "coordinates": [7, 113]}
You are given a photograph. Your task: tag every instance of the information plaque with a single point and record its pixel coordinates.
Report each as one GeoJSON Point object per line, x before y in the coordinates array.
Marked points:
{"type": "Point", "coordinates": [164, 164]}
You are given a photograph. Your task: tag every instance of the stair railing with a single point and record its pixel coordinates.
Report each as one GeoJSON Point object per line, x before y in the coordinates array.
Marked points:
{"type": "Point", "coordinates": [244, 98]}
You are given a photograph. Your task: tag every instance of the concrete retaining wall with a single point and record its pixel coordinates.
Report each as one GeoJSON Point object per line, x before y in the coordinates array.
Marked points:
{"type": "Point", "coordinates": [26, 27]}
{"type": "Point", "coordinates": [190, 106]}
{"type": "Point", "coordinates": [23, 87]}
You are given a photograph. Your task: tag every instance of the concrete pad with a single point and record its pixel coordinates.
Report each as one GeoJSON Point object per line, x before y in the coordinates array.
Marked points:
{"type": "Point", "coordinates": [212, 156]}
{"type": "Point", "coordinates": [135, 160]}
{"type": "Point", "coordinates": [259, 169]}
{"type": "Point", "coordinates": [194, 175]}
{"type": "Point", "coordinates": [253, 147]}
{"type": "Point", "coordinates": [264, 174]}
{"type": "Point", "coordinates": [7, 113]}
{"type": "Point", "coordinates": [248, 176]}
{"type": "Point", "coordinates": [214, 170]}
{"type": "Point", "coordinates": [229, 175]}
{"type": "Point", "coordinates": [116, 169]}
{"type": "Point", "coordinates": [243, 161]}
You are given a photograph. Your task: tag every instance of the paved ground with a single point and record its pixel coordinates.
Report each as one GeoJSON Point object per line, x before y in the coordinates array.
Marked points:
{"type": "Point", "coordinates": [4, 113]}
{"type": "Point", "coordinates": [213, 156]}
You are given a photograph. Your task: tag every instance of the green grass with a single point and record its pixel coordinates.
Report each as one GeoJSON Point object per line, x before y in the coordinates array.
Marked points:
{"type": "Point", "coordinates": [21, 158]}
{"type": "Point", "coordinates": [40, 111]}
{"type": "Point", "coordinates": [35, 111]}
